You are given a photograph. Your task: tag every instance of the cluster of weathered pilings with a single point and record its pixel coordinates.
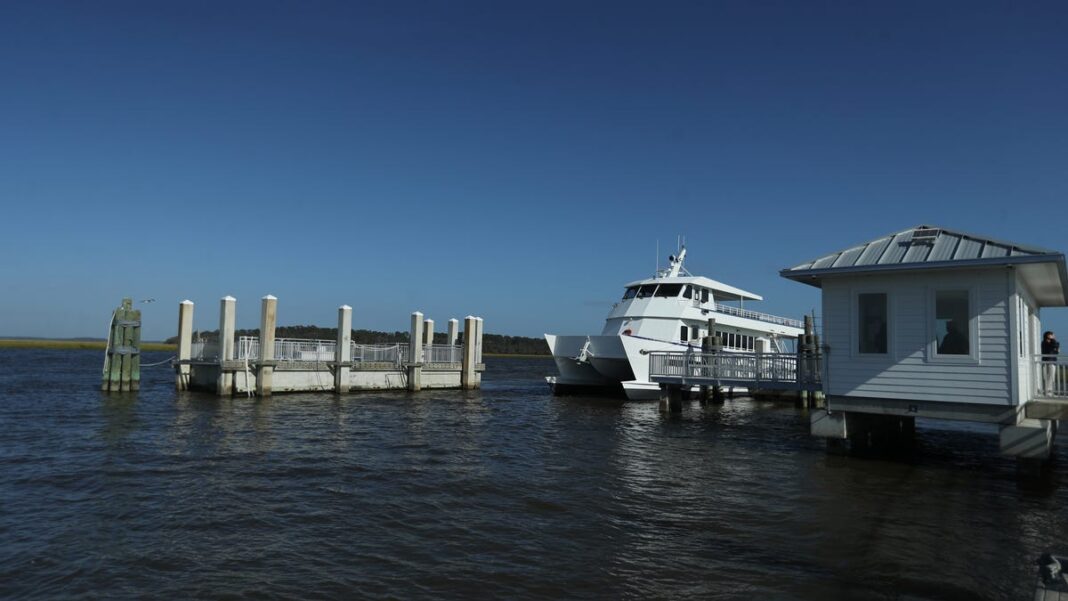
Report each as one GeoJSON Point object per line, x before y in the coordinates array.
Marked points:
{"type": "Point", "coordinates": [265, 364]}
{"type": "Point", "coordinates": [122, 358]}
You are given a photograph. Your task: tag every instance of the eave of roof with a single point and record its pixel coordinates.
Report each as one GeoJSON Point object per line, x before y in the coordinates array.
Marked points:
{"type": "Point", "coordinates": [814, 277]}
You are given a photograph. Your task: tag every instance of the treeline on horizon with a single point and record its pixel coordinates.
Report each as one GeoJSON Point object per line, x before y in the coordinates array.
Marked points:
{"type": "Point", "coordinates": [491, 343]}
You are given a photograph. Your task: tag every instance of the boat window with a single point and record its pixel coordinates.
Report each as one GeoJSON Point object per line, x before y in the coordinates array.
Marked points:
{"type": "Point", "coordinates": [687, 292]}
{"type": "Point", "coordinates": [683, 334]}
{"type": "Point", "coordinates": [630, 292]}
{"type": "Point", "coordinates": [646, 291]}
{"type": "Point", "coordinates": [704, 295]}
{"type": "Point", "coordinates": [669, 290]}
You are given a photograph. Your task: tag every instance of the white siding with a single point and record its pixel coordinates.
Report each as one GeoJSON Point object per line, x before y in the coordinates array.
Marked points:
{"type": "Point", "coordinates": [907, 371]}
{"type": "Point", "coordinates": [1030, 338]}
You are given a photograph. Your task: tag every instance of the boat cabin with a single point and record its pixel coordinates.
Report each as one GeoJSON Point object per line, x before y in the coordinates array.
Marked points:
{"type": "Point", "coordinates": [676, 306]}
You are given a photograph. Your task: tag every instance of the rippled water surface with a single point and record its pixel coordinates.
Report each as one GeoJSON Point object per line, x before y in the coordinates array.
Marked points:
{"type": "Point", "coordinates": [506, 492]}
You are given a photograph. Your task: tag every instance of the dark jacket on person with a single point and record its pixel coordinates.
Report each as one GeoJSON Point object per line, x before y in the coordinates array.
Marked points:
{"type": "Point", "coordinates": [1050, 347]}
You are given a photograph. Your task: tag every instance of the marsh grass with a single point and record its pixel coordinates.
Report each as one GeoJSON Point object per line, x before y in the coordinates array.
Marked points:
{"type": "Point", "coordinates": [90, 345]}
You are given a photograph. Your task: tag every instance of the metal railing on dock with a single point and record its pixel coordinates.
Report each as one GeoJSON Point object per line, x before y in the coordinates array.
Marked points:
{"type": "Point", "coordinates": [442, 353]}
{"type": "Point", "coordinates": [755, 370]}
{"type": "Point", "coordinates": [1050, 376]}
{"type": "Point", "coordinates": [204, 350]}
{"type": "Point", "coordinates": [298, 350]}
{"type": "Point", "coordinates": [380, 353]}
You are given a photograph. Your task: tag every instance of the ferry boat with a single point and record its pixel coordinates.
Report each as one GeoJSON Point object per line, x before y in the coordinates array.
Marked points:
{"type": "Point", "coordinates": [668, 312]}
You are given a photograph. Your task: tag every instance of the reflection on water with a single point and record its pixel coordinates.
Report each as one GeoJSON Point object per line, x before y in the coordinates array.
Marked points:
{"type": "Point", "coordinates": [504, 492]}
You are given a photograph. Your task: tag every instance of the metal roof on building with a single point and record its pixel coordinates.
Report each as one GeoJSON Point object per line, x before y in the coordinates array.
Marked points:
{"type": "Point", "coordinates": [924, 247]}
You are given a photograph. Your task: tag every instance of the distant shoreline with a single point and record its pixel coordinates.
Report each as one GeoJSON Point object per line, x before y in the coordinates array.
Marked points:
{"type": "Point", "coordinates": [85, 345]}
{"type": "Point", "coordinates": [99, 345]}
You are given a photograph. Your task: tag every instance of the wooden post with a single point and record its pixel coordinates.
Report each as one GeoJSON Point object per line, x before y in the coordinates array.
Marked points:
{"type": "Point", "coordinates": [343, 354]}
{"type": "Point", "coordinates": [428, 332]}
{"type": "Point", "coordinates": [706, 349]}
{"type": "Point", "coordinates": [185, 343]}
{"type": "Point", "coordinates": [415, 353]}
{"type": "Point", "coordinates": [477, 379]}
{"type": "Point", "coordinates": [227, 317]}
{"type": "Point", "coordinates": [806, 360]}
{"type": "Point", "coordinates": [454, 327]}
{"type": "Point", "coordinates": [715, 346]}
{"type": "Point", "coordinates": [268, 322]}
{"type": "Point", "coordinates": [122, 360]}
{"type": "Point", "coordinates": [467, 370]}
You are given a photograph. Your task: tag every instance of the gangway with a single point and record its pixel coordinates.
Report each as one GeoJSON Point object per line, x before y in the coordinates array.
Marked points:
{"type": "Point", "coordinates": [764, 371]}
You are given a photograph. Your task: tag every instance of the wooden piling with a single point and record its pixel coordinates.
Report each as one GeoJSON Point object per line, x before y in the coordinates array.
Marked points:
{"type": "Point", "coordinates": [467, 370]}
{"type": "Point", "coordinates": [122, 359]}
{"type": "Point", "coordinates": [185, 344]}
{"type": "Point", "coordinates": [268, 323]}
{"type": "Point", "coordinates": [415, 353]}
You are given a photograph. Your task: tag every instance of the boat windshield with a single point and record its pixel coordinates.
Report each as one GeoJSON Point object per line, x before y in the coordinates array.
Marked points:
{"type": "Point", "coordinates": [646, 291]}
{"type": "Point", "coordinates": [630, 292]}
{"type": "Point", "coordinates": [669, 290]}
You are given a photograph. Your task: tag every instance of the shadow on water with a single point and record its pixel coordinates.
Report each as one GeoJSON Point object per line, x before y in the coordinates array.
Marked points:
{"type": "Point", "coordinates": [119, 413]}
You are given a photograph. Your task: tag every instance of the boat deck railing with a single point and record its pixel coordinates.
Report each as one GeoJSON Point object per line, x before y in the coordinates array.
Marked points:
{"type": "Point", "coordinates": [765, 317]}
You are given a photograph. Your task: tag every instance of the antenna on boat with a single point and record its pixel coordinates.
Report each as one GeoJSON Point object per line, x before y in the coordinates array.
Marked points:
{"type": "Point", "coordinates": [657, 272]}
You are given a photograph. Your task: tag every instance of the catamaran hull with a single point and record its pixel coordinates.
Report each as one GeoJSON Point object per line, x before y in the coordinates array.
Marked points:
{"type": "Point", "coordinates": [590, 365]}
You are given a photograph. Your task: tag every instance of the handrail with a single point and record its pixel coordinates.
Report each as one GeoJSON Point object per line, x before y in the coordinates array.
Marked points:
{"type": "Point", "coordinates": [755, 368]}
{"type": "Point", "coordinates": [1050, 376]}
{"type": "Point", "coordinates": [765, 317]}
{"type": "Point", "coordinates": [308, 350]}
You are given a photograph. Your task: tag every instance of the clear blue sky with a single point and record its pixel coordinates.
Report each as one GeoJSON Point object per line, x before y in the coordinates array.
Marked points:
{"type": "Point", "coordinates": [515, 161]}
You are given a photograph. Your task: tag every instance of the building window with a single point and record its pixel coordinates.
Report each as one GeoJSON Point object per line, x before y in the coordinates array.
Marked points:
{"type": "Point", "coordinates": [951, 322]}
{"type": "Point", "coordinates": [872, 322]}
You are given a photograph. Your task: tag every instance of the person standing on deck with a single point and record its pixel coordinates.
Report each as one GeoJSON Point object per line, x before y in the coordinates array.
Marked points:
{"type": "Point", "coordinates": [1050, 349]}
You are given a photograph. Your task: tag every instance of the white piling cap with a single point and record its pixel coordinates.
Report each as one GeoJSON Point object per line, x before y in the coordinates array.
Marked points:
{"type": "Point", "coordinates": [229, 298]}
{"type": "Point", "coordinates": [345, 308]}
{"type": "Point", "coordinates": [454, 320]}
{"type": "Point", "coordinates": [270, 297]}
{"type": "Point", "coordinates": [469, 317]}
{"type": "Point", "coordinates": [419, 313]}
{"type": "Point", "coordinates": [186, 302]}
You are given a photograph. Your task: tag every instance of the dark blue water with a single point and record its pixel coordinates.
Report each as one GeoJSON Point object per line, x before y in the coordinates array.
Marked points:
{"type": "Point", "coordinates": [506, 492]}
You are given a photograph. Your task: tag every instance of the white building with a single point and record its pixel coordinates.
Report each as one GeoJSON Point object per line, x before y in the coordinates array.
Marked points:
{"type": "Point", "coordinates": [930, 322]}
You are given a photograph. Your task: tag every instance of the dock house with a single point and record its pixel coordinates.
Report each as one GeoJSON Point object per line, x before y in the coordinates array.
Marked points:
{"type": "Point", "coordinates": [936, 323]}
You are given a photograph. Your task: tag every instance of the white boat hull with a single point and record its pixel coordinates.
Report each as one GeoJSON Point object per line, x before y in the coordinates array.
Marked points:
{"type": "Point", "coordinates": [595, 363]}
